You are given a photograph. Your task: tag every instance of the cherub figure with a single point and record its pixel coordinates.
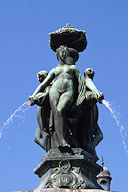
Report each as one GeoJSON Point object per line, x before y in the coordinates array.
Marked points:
{"type": "Point", "coordinates": [42, 135]}
{"type": "Point", "coordinates": [95, 133]}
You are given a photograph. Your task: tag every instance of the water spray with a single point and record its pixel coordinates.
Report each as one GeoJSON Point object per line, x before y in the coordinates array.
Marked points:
{"type": "Point", "coordinates": [121, 127]}
{"type": "Point", "coordinates": [25, 106]}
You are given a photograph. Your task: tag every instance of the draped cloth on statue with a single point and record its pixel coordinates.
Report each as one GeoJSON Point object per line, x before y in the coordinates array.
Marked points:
{"type": "Point", "coordinates": [82, 120]}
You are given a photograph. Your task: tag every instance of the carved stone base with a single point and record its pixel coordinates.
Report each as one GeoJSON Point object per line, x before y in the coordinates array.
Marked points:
{"type": "Point", "coordinates": [75, 169]}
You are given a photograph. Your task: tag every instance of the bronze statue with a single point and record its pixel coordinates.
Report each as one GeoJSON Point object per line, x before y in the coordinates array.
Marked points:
{"type": "Point", "coordinates": [68, 97]}
{"type": "Point", "coordinates": [67, 117]}
{"type": "Point", "coordinates": [61, 94]}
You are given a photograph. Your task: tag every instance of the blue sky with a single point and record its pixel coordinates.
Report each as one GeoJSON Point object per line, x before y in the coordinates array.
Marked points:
{"type": "Point", "coordinates": [24, 51]}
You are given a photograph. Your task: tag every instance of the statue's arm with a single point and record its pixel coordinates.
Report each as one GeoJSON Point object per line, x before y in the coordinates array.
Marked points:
{"type": "Point", "coordinates": [45, 83]}
{"type": "Point", "coordinates": [76, 71]}
{"type": "Point", "coordinates": [90, 85]}
{"type": "Point", "coordinates": [42, 94]}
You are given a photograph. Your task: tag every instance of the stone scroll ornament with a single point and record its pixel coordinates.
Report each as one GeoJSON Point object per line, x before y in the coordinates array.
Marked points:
{"type": "Point", "coordinates": [66, 176]}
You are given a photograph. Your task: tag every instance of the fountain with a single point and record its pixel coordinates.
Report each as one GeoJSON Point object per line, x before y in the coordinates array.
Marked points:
{"type": "Point", "coordinates": [67, 117]}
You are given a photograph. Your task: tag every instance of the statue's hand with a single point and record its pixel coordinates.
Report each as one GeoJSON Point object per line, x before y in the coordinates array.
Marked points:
{"type": "Point", "coordinates": [100, 97]}
{"type": "Point", "coordinates": [31, 101]}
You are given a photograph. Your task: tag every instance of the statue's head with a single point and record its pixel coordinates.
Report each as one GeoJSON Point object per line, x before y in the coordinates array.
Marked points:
{"type": "Point", "coordinates": [62, 52]}
{"type": "Point", "coordinates": [89, 72]}
{"type": "Point", "coordinates": [67, 55]}
{"type": "Point", "coordinates": [42, 75]}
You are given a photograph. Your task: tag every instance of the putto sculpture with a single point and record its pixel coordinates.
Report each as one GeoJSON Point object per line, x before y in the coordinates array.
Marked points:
{"type": "Point", "coordinates": [67, 117]}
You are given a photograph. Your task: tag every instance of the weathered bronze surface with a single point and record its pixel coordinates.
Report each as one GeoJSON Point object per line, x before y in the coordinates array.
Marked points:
{"type": "Point", "coordinates": [67, 115]}
{"type": "Point", "coordinates": [68, 36]}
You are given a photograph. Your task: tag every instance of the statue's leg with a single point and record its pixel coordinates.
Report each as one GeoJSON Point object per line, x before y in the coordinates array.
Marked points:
{"type": "Point", "coordinates": [59, 104]}
{"type": "Point", "coordinates": [54, 96]}
{"type": "Point", "coordinates": [64, 104]}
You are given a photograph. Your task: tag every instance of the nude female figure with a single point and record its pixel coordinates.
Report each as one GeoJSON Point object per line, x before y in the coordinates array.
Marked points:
{"type": "Point", "coordinates": [61, 94]}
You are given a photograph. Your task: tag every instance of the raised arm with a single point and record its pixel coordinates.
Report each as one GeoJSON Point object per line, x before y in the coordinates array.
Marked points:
{"type": "Point", "coordinates": [45, 83]}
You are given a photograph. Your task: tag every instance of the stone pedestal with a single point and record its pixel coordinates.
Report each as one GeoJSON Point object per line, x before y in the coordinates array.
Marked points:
{"type": "Point", "coordinates": [75, 169]}
{"type": "Point", "coordinates": [72, 171]}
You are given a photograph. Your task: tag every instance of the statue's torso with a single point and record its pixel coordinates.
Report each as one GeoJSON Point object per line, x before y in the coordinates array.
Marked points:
{"type": "Point", "coordinates": [64, 78]}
